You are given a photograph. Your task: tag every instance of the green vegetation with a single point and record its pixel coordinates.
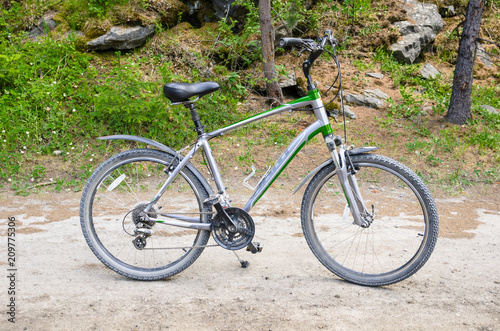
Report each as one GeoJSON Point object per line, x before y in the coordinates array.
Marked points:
{"type": "Point", "coordinates": [57, 97]}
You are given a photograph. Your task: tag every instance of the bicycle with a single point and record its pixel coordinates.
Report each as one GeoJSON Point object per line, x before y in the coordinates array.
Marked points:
{"type": "Point", "coordinates": [148, 214]}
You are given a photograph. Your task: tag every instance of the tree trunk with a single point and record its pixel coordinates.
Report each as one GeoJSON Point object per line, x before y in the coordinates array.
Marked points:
{"type": "Point", "coordinates": [459, 110]}
{"type": "Point", "coordinates": [266, 30]}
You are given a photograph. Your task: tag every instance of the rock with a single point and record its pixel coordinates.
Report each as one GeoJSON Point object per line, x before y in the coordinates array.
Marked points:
{"type": "Point", "coordinates": [370, 98]}
{"type": "Point", "coordinates": [429, 72]}
{"type": "Point", "coordinates": [122, 38]}
{"type": "Point", "coordinates": [44, 25]}
{"type": "Point", "coordinates": [348, 112]}
{"type": "Point", "coordinates": [355, 99]}
{"type": "Point", "coordinates": [375, 75]}
{"type": "Point", "coordinates": [418, 33]}
{"type": "Point", "coordinates": [427, 110]}
{"type": "Point", "coordinates": [483, 56]}
{"type": "Point", "coordinates": [373, 102]}
{"type": "Point", "coordinates": [376, 93]}
{"type": "Point", "coordinates": [490, 109]}
{"type": "Point", "coordinates": [447, 11]}
{"type": "Point", "coordinates": [288, 81]}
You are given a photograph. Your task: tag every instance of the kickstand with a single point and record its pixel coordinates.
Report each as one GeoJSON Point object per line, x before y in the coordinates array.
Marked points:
{"type": "Point", "coordinates": [243, 263]}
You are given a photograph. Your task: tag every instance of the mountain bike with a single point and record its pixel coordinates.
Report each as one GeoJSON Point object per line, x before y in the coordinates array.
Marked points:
{"type": "Point", "coordinates": [148, 213]}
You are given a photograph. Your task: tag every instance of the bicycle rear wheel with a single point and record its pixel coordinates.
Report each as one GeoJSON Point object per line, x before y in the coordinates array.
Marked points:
{"type": "Point", "coordinates": [401, 237]}
{"type": "Point", "coordinates": [116, 194]}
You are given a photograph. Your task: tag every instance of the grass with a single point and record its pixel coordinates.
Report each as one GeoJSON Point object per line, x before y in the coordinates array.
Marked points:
{"type": "Point", "coordinates": [56, 97]}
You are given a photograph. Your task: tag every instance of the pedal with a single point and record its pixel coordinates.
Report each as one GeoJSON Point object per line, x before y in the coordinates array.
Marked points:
{"type": "Point", "coordinates": [254, 247]}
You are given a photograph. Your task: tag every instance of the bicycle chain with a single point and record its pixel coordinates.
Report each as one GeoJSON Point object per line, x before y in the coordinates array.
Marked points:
{"type": "Point", "coordinates": [187, 247]}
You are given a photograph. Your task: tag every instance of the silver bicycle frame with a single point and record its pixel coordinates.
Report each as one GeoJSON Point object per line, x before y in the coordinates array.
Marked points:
{"type": "Point", "coordinates": [321, 125]}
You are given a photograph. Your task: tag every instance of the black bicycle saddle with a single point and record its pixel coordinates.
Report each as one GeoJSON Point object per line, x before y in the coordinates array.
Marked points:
{"type": "Point", "coordinates": [181, 92]}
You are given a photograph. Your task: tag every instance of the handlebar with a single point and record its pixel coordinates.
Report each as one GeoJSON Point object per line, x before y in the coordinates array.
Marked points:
{"type": "Point", "coordinates": [309, 44]}
{"type": "Point", "coordinates": [295, 42]}
{"type": "Point", "coordinates": [313, 47]}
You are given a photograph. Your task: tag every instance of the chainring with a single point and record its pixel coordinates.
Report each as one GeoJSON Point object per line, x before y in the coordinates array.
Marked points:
{"type": "Point", "coordinates": [233, 240]}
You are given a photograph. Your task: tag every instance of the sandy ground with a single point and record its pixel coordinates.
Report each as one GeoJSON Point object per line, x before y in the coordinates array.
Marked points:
{"type": "Point", "coordinates": [60, 284]}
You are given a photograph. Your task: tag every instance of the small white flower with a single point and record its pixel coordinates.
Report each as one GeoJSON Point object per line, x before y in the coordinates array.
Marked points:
{"type": "Point", "coordinates": [48, 108]}
{"type": "Point", "coordinates": [70, 144]}
{"type": "Point", "coordinates": [28, 133]}
{"type": "Point", "coordinates": [67, 153]}
{"type": "Point", "coordinates": [24, 147]}
{"type": "Point", "coordinates": [64, 94]}
{"type": "Point", "coordinates": [73, 110]}
{"type": "Point", "coordinates": [32, 179]}
{"type": "Point", "coordinates": [91, 160]}
{"type": "Point", "coordinates": [53, 132]}
{"type": "Point", "coordinates": [235, 168]}
{"type": "Point", "coordinates": [92, 155]}
{"type": "Point", "coordinates": [22, 152]}
{"type": "Point", "coordinates": [4, 141]}
{"type": "Point", "coordinates": [51, 180]}
{"type": "Point", "coordinates": [72, 148]}
{"type": "Point", "coordinates": [48, 92]}
{"type": "Point", "coordinates": [10, 179]}
{"type": "Point", "coordinates": [3, 131]}
{"type": "Point", "coordinates": [54, 82]}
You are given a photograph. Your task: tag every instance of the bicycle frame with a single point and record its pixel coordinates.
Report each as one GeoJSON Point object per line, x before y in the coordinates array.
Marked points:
{"type": "Point", "coordinates": [321, 125]}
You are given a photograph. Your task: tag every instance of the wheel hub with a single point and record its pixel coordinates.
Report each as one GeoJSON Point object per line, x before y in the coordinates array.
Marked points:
{"type": "Point", "coordinates": [140, 218]}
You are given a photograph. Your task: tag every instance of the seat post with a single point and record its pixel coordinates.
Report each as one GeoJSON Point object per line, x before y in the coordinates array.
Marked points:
{"type": "Point", "coordinates": [199, 128]}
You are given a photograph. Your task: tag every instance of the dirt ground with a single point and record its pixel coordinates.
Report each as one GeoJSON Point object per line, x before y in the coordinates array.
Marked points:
{"type": "Point", "coordinates": [60, 284]}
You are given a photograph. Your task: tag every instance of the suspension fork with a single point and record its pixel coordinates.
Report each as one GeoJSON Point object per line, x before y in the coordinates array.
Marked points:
{"type": "Point", "coordinates": [348, 182]}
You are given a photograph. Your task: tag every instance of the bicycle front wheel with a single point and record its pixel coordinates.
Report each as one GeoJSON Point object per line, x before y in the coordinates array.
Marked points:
{"type": "Point", "coordinates": [401, 237]}
{"type": "Point", "coordinates": [110, 215]}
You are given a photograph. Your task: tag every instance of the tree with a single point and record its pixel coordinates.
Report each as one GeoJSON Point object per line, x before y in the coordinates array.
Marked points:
{"type": "Point", "coordinates": [267, 36]}
{"type": "Point", "coordinates": [459, 110]}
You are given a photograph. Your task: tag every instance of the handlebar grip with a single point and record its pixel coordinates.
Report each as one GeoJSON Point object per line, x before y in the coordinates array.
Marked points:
{"type": "Point", "coordinates": [290, 42]}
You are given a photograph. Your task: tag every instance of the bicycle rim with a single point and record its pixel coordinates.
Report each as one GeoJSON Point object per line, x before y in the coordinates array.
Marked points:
{"type": "Point", "coordinates": [400, 238]}
{"type": "Point", "coordinates": [122, 188]}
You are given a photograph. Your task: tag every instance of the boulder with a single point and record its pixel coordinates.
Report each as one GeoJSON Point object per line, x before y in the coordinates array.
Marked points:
{"type": "Point", "coordinates": [44, 25]}
{"type": "Point", "coordinates": [483, 56]}
{"type": "Point", "coordinates": [122, 38]}
{"type": "Point", "coordinates": [348, 112]}
{"type": "Point", "coordinates": [375, 75]}
{"type": "Point", "coordinates": [490, 109]}
{"type": "Point", "coordinates": [370, 98]}
{"type": "Point", "coordinates": [376, 94]}
{"type": "Point", "coordinates": [418, 32]}
{"type": "Point", "coordinates": [429, 72]}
